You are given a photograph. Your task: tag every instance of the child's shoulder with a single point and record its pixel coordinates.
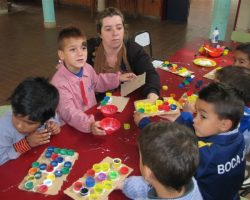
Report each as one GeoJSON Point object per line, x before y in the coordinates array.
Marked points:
{"type": "Point", "coordinates": [6, 123]}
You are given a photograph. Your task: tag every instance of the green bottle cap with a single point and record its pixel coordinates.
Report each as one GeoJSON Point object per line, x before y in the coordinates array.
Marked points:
{"type": "Point", "coordinates": [28, 185]}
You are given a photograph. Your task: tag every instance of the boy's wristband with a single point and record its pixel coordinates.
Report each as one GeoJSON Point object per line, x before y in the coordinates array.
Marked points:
{"type": "Point", "coordinates": [22, 146]}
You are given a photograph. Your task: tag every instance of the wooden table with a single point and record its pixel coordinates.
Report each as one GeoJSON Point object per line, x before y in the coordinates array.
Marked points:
{"type": "Point", "coordinates": [92, 149]}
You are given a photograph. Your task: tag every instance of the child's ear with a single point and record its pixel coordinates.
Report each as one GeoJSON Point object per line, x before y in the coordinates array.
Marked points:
{"type": "Point", "coordinates": [225, 125]}
{"type": "Point", "coordinates": [60, 54]}
{"type": "Point", "coordinates": [148, 174]}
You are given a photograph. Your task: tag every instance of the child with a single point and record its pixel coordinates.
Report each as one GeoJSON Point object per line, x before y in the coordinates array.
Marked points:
{"type": "Point", "coordinates": [239, 78]}
{"type": "Point", "coordinates": [219, 109]}
{"type": "Point", "coordinates": [242, 55]}
{"type": "Point", "coordinates": [77, 82]}
{"type": "Point", "coordinates": [33, 103]}
{"type": "Point", "coordinates": [169, 157]}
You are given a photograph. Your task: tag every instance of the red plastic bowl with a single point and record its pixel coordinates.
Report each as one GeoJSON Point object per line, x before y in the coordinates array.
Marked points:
{"type": "Point", "coordinates": [109, 110]}
{"type": "Point", "coordinates": [110, 125]}
{"type": "Point", "coordinates": [215, 53]}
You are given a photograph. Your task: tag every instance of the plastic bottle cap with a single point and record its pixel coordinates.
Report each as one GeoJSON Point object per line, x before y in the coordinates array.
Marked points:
{"type": "Point", "coordinates": [68, 164]}
{"type": "Point", "coordinates": [60, 159]}
{"type": "Point", "coordinates": [107, 184]}
{"type": "Point", "coordinates": [71, 152]}
{"type": "Point", "coordinates": [56, 150]}
{"type": "Point", "coordinates": [96, 167]}
{"type": "Point", "coordinates": [54, 163]}
{"type": "Point", "coordinates": [65, 170]}
{"type": "Point", "coordinates": [47, 182]}
{"type": "Point", "coordinates": [28, 185]}
{"type": "Point", "coordinates": [84, 191]}
{"type": "Point", "coordinates": [58, 173]}
{"type": "Point", "coordinates": [90, 172]}
{"type": "Point", "coordinates": [63, 151]}
{"type": "Point", "coordinates": [51, 177]}
{"type": "Point", "coordinates": [77, 186]}
{"type": "Point", "coordinates": [32, 171]}
{"type": "Point", "coordinates": [49, 168]}
{"type": "Point", "coordinates": [35, 164]}
{"type": "Point", "coordinates": [42, 188]}
{"type": "Point", "coordinates": [105, 166]}
{"type": "Point", "coordinates": [101, 177]}
{"type": "Point", "coordinates": [98, 188]}
{"type": "Point", "coordinates": [90, 182]}
{"type": "Point", "coordinates": [54, 156]}
{"type": "Point", "coordinates": [124, 170]}
{"type": "Point", "coordinates": [113, 175]}
{"type": "Point", "coordinates": [38, 175]}
{"type": "Point", "coordinates": [126, 126]}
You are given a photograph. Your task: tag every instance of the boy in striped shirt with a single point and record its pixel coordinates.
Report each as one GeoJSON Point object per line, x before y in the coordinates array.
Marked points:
{"type": "Point", "coordinates": [27, 124]}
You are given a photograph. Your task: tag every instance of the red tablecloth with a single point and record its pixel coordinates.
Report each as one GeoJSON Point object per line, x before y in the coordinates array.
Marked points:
{"type": "Point", "coordinates": [92, 149]}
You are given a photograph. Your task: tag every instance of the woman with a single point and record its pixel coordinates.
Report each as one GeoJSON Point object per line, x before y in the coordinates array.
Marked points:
{"type": "Point", "coordinates": [110, 52]}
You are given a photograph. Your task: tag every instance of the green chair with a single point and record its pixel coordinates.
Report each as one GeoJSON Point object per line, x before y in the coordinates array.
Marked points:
{"type": "Point", "coordinates": [238, 36]}
{"type": "Point", "coordinates": [4, 109]}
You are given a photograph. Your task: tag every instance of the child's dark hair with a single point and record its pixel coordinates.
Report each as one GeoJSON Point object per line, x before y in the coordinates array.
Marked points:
{"type": "Point", "coordinates": [68, 32]}
{"type": "Point", "coordinates": [35, 98]}
{"type": "Point", "coordinates": [170, 150]}
{"type": "Point", "coordinates": [227, 101]}
{"type": "Point", "coordinates": [237, 77]}
{"type": "Point", "coordinates": [245, 48]}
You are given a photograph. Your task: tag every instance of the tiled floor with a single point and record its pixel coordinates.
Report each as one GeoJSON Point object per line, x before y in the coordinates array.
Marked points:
{"type": "Point", "coordinates": [27, 49]}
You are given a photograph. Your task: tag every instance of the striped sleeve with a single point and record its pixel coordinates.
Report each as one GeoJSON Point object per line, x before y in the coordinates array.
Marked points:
{"type": "Point", "coordinates": [22, 146]}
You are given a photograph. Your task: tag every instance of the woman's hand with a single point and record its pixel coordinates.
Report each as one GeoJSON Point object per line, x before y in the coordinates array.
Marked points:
{"type": "Point", "coordinates": [127, 77]}
{"type": "Point", "coordinates": [152, 97]}
{"type": "Point", "coordinates": [38, 138]}
{"type": "Point", "coordinates": [96, 129]}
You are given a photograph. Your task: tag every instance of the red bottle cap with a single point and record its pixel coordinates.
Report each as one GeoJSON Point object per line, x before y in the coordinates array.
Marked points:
{"type": "Point", "coordinates": [54, 156]}
{"type": "Point", "coordinates": [189, 93]}
{"type": "Point", "coordinates": [78, 185]}
{"type": "Point", "coordinates": [49, 168]}
{"type": "Point", "coordinates": [90, 172]}
{"type": "Point", "coordinates": [124, 170]}
{"type": "Point", "coordinates": [42, 188]}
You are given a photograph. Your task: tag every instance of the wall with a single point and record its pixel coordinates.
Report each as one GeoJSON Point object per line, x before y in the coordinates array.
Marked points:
{"type": "Point", "coordinates": [243, 21]}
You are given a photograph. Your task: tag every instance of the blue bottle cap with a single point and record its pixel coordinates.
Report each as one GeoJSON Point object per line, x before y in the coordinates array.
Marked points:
{"type": "Point", "coordinates": [90, 182]}
{"type": "Point", "coordinates": [48, 154]}
{"type": "Point", "coordinates": [67, 164]}
{"type": "Point", "coordinates": [59, 159]}
{"type": "Point", "coordinates": [173, 107]}
{"type": "Point", "coordinates": [54, 163]}
{"type": "Point", "coordinates": [42, 166]}
{"type": "Point", "coordinates": [58, 173]}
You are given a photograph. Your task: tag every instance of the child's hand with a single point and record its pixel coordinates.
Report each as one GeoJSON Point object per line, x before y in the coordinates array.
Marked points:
{"type": "Point", "coordinates": [119, 185]}
{"type": "Point", "coordinates": [53, 127]}
{"type": "Point", "coordinates": [171, 117]}
{"type": "Point", "coordinates": [96, 129]}
{"type": "Point", "coordinates": [38, 138]}
{"type": "Point", "coordinates": [138, 117]}
{"type": "Point", "coordinates": [189, 107]}
{"type": "Point", "coordinates": [127, 77]}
